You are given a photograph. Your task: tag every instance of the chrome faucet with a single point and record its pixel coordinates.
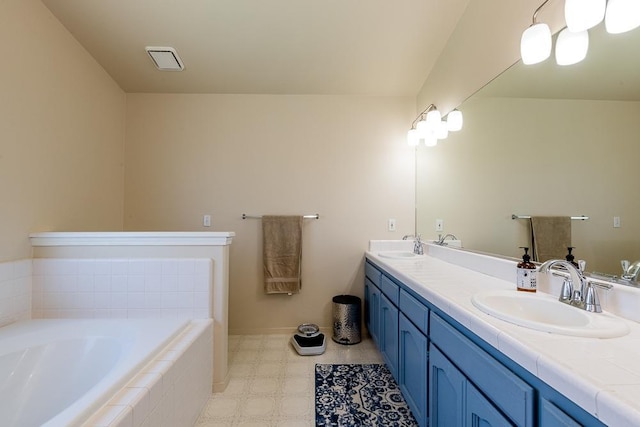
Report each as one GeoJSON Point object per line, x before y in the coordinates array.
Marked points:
{"type": "Point", "coordinates": [418, 249]}
{"type": "Point", "coordinates": [630, 272]}
{"type": "Point", "coordinates": [586, 297]}
{"type": "Point", "coordinates": [441, 239]}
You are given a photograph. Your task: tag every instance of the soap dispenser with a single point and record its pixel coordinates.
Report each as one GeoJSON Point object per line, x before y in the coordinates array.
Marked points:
{"type": "Point", "coordinates": [527, 275]}
{"type": "Point", "coordinates": [570, 257]}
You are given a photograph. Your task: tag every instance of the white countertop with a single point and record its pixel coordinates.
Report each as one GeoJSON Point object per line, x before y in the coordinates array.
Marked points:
{"type": "Point", "coordinates": [600, 375]}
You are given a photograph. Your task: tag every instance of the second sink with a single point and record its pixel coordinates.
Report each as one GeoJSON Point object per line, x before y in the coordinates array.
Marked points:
{"type": "Point", "coordinates": [545, 313]}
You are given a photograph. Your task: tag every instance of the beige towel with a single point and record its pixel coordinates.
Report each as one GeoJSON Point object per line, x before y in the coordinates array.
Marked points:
{"type": "Point", "coordinates": [282, 253]}
{"type": "Point", "coordinates": [550, 237]}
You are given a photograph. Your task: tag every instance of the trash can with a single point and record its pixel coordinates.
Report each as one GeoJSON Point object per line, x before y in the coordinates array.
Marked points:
{"type": "Point", "coordinates": [346, 319]}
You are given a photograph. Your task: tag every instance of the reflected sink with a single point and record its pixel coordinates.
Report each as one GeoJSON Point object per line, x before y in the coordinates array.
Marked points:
{"type": "Point", "coordinates": [545, 313]}
{"type": "Point", "coordinates": [398, 254]}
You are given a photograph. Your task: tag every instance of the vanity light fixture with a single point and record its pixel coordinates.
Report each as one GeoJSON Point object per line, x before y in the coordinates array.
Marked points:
{"type": "Point", "coordinates": [622, 16]}
{"type": "Point", "coordinates": [573, 41]}
{"type": "Point", "coordinates": [165, 58]}
{"type": "Point", "coordinates": [429, 126]}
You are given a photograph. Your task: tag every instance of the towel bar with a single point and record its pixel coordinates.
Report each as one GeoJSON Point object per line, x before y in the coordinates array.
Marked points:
{"type": "Point", "coordinates": [315, 216]}
{"type": "Point", "coordinates": [581, 217]}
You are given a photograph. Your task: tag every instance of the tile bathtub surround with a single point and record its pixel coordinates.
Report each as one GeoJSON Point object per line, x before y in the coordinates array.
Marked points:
{"type": "Point", "coordinates": [171, 390]}
{"type": "Point", "coordinates": [271, 385]}
{"type": "Point", "coordinates": [123, 288]}
{"type": "Point", "coordinates": [15, 291]}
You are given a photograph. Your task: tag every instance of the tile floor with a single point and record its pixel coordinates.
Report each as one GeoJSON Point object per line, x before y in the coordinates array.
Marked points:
{"type": "Point", "coordinates": [271, 385]}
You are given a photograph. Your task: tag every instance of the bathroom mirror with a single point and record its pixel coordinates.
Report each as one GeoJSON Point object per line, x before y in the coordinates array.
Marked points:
{"type": "Point", "coordinates": [544, 140]}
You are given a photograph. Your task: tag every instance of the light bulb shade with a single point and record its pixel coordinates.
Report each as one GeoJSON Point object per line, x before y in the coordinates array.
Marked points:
{"type": "Point", "coordinates": [535, 44]}
{"type": "Point", "coordinates": [422, 129]}
{"type": "Point", "coordinates": [433, 119]}
{"type": "Point", "coordinates": [431, 140]}
{"type": "Point", "coordinates": [442, 131]}
{"type": "Point", "coordinates": [622, 16]}
{"type": "Point", "coordinates": [412, 137]}
{"type": "Point", "coordinates": [571, 47]}
{"type": "Point", "coordinates": [454, 120]}
{"type": "Point", "coordinates": [583, 14]}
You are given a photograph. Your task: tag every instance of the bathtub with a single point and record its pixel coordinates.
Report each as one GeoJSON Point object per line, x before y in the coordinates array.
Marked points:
{"type": "Point", "coordinates": [61, 372]}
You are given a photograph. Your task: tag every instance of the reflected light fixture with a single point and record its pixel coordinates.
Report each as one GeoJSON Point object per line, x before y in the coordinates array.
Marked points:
{"type": "Point", "coordinates": [583, 14]}
{"type": "Point", "coordinates": [429, 126]}
{"type": "Point", "coordinates": [535, 43]}
{"type": "Point", "coordinates": [454, 120]}
{"type": "Point", "coordinates": [571, 47]}
{"type": "Point", "coordinates": [622, 16]}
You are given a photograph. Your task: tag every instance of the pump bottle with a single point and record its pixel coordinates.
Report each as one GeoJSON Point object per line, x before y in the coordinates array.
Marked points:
{"type": "Point", "coordinates": [527, 274]}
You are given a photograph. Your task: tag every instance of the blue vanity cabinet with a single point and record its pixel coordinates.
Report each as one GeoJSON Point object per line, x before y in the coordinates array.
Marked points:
{"type": "Point", "coordinates": [505, 399]}
{"type": "Point", "coordinates": [388, 334]}
{"type": "Point", "coordinates": [412, 368]}
{"type": "Point", "coordinates": [372, 308]}
{"type": "Point", "coordinates": [448, 375]}
{"type": "Point", "coordinates": [446, 392]}
{"type": "Point", "coordinates": [455, 401]}
{"type": "Point", "coordinates": [372, 300]}
{"type": "Point", "coordinates": [552, 416]}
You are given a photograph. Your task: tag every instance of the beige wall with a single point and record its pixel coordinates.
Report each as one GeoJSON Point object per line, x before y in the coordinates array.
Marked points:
{"type": "Point", "coordinates": [61, 132]}
{"type": "Point", "coordinates": [537, 157]}
{"type": "Point", "coordinates": [343, 157]}
{"type": "Point", "coordinates": [485, 42]}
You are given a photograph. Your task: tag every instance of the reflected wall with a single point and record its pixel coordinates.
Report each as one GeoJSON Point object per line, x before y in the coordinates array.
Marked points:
{"type": "Point", "coordinates": [533, 156]}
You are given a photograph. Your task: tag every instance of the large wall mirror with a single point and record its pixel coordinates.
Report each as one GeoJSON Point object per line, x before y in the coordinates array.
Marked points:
{"type": "Point", "coordinates": [544, 140]}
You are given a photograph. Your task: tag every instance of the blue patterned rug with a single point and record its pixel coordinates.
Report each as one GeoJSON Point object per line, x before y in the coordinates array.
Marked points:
{"type": "Point", "coordinates": [359, 395]}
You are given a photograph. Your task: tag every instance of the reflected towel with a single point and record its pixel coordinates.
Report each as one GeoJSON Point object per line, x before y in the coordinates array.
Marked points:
{"type": "Point", "coordinates": [282, 253]}
{"type": "Point", "coordinates": [550, 237]}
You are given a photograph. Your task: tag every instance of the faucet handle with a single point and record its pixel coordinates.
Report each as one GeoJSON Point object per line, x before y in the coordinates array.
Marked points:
{"type": "Point", "coordinates": [591, 299]}
{"type": "Point", "coordinates": [567, 290]}
{"type": "Point", "coordinates": [582, 264]}
{"type": "Point", "coordinates": [625, 265]}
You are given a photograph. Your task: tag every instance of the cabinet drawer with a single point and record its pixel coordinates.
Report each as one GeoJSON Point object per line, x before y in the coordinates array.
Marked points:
{"type": "Point", "coordinates": [372, 273]}
{"type": "Point", "coordinates": [507, 391]}
{"type": "Point", "coordinates": [390, 289]}
{"type": "Point", "coordinates": [415, 311]}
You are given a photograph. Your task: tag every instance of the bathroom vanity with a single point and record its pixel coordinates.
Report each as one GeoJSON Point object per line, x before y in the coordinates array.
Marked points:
{"type": "Point", "coordinates": [459, 366]}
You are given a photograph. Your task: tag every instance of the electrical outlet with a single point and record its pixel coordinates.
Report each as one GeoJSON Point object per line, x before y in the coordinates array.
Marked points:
{"type": "Point", "coordinates": [391, 224]}
{"type": "Point", "coordinates": [616, 222]}
{"type": "Point", "coordinates": [206, 220]}
{"type": "Point", "coordinates": [439, 225]}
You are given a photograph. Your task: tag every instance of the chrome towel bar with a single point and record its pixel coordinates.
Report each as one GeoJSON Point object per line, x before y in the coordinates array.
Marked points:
{"type": "Point", "coordinates": [581, 217]}
{"type": "Point", "coordinates": [315, 216]}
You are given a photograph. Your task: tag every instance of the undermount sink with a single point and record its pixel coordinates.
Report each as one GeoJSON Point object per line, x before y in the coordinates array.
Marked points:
{"type": "Point", "coordinates": [545, 313]}
{"type": "Point", "coordinates": [398, 254]}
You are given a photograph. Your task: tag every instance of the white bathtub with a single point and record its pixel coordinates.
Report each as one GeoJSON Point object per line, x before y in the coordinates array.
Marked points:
{"type": "Point", "coordinates": [58, 372]}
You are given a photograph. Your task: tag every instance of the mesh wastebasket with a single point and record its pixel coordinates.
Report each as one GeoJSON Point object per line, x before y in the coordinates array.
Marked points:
{"type": "Point", "coordinates": [346, 319]}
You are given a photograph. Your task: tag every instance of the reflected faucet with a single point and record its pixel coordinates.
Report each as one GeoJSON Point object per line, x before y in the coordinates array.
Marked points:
{"type": "Point", "coordinates": [441, 239]}
{"type": "Point", "coordinates": [586, 297]}
{"type": "Point", "coordinates": [418, 249]}
{"type": "Point", "coordinates": [630, 272]}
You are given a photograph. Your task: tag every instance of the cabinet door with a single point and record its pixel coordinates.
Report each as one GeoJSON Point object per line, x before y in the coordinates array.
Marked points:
{"type": "Point", "coordinates": [412, 369]}
{"type": "Point", "coordinates": [388, 334]}
{"type": "Point", "coordinates": [481, 413]}
{"type": "Point", "coordinates": [446, 391]}
{"type": "Point", "coordinates": [372, 308]}
{"type": "Point", "coordinates": [552, 416]}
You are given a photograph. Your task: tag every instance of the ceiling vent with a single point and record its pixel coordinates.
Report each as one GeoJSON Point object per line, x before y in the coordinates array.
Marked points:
{"type": "Point", "coordinates": [165, 58]}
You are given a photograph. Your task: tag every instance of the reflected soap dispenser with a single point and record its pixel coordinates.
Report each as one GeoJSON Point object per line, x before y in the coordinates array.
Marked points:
{"type": "Point", "coordinates": [570, 258]}
{"type": "Point", "coordinates": [527, 275]}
